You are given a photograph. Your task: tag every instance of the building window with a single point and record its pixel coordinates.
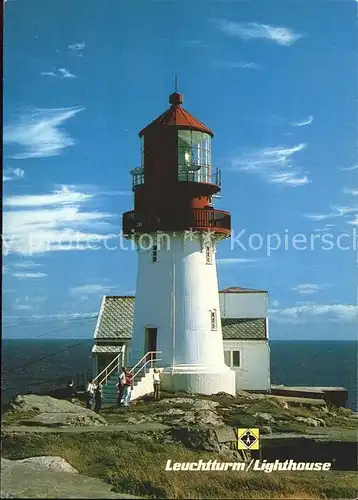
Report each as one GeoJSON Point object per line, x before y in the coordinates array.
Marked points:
{"type": "Point", "coordinates": [155, 253]}
{"type": "Point", "coordinates": [214, 320]}
{"type": "Point", "coordinates": [208, 255]}
{"type": "Point", "coordinates": [236, 359]}
{"type": "Point", "coordinates": [227, 358]}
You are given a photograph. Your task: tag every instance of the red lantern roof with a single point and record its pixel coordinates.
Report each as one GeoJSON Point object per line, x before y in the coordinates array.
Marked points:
{"type": "Point", "coordinates": [178, 117]}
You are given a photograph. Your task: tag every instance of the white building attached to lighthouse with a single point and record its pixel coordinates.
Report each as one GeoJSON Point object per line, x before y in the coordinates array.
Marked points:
{"type": "Point", "coordinates": [244, 326]}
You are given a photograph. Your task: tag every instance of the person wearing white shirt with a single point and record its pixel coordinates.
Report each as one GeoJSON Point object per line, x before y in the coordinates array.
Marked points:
{"type": "Point", "coordinates": [127, 391]}
{"type": "Point", "coordinates": [120, 385]}
{"type": "Point", "coordinates": [91, 386]}
{"type": "Point", "coordinates": [156, 383]}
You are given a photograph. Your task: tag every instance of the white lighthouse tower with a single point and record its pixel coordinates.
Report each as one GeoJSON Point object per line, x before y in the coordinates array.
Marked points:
{"type": "Point", "coordinates": [176, 230]}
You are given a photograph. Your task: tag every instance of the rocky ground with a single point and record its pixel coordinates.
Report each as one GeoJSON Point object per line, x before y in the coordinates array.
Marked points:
{"type": "Point", "coordinates": [44, 410]}
{"type": "Point", "coordinates": [58, 438]}
{"type": "Point", "coordinates": [272, 414]}
{"type": "Point", "coordinates": [54, 478]}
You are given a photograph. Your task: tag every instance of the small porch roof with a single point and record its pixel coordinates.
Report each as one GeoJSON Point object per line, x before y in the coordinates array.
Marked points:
{"type": "Point", "coordinates": [106, 349]}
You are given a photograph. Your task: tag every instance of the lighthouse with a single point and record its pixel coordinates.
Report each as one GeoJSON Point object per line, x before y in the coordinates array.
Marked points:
{"type": "Point", "coordinates": [176, 230]}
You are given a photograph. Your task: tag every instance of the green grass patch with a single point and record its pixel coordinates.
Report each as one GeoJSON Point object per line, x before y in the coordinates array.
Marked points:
{"type": "Point", "coordinates": [135, 465]}
{"type": "Point", "coordinates": [16, 417]}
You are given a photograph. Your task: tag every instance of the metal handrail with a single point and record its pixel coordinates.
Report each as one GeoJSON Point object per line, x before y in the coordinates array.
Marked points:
{"type": "Point", "coordinates": [140, 369]}
{"type": "Point", "coordinates": [144, 357]}
{"type": "Point", "coordinates": [105, 370]}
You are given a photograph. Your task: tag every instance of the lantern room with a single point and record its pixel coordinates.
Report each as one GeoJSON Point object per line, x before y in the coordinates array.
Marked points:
{"type": "Point", "coordinates": [176, 175]}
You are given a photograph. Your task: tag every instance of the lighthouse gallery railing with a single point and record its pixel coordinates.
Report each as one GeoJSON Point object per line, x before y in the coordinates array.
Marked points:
{"type": "Point", "coordinates": [195, 218]}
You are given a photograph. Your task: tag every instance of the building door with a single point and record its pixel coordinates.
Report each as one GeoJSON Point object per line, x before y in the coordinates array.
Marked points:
{"type": "Point", "coordinates": [151, 340]}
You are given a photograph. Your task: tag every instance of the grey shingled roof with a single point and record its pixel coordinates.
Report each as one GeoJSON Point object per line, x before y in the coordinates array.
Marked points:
{"type": "Point", "coordinates": [108, 348]}
{"type": "Point", "coordinates": [116, 318]}
{"type": "Point", "coordinates": [115, 321]}
{"type": "Point", "coordinates": [243, 328]}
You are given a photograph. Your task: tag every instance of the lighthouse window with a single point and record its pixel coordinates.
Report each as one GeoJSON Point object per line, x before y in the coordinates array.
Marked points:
{"type": "Point", "coordinates": [214, 320]}
{"type": "Point", "coordinates": [155, 253]}
{"type": "Point", "coordinates": [194, 156]}
{"type": "Point", "coordinates": [208, 255]}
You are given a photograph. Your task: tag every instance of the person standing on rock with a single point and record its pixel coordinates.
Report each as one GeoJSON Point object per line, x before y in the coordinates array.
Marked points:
{"type": "Point", "coordinates": [156, 384]}
{"type": "Point", "coordinates": [120, 385]}
{"type": "Point", "coordinates": [71, 391]}
{"type": "Point", "coordinates": [91, 386]}
{"type": "Point", "coordinates": [98, 398]}
{"type": "Point", "coordinates": [127, 388]}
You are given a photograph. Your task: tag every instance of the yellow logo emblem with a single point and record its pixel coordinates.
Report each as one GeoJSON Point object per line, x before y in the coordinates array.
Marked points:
{"type": "Point", "coordinates": [248, 439]}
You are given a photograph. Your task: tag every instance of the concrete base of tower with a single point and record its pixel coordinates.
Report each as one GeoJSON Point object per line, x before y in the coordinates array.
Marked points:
{"type": "Point", "coordinates": [196, 379]}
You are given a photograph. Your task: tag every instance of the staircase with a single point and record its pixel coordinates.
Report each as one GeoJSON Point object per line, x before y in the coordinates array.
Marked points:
{"type": "Point", "coordinates": [110, 389]}
{"type": "Point", "coordinates": [142, 382]}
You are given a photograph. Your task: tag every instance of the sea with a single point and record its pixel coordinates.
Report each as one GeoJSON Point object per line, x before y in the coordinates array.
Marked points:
{"type": "Point", "coordinates": [34, 365]}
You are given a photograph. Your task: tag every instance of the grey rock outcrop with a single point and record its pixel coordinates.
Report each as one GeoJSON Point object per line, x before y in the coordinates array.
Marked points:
{"type": "Point", "coordinates": [198, 439]}
{"type": "Point", "coordinates": [202, 412]}
{"type": "Point", "coordinates": [50, 477]}
{"type": "Point", "coordinates": [205, 404]}
{"type": "Point", "coordinates": [53, 412]}
{"type": "Point", "coordinates": [265, 417]}
{"type": "Point", "coordinates": [312, 422]}
{"type": "Point", "coordinates": [57, 464]}
{"type": "Point", "coordinates": [177, 401]}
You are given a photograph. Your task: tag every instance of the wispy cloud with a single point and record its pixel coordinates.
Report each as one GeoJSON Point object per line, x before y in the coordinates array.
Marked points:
{"type": "Point", "coordinates": [53, 221]}
{"type": "Point", "coordinates": [199, 44]}
{"type": "Point", "coordinates": [254, 31]}
{"type": "Point", "coordinates": [66, 74]}
{"type": "Point", "coordinates": [39, 132]}
{"type": "Point", "coordinates": [26, 264]}
{"type": "Point", "coordinates": [353, 167]}
{"type": "Point", "coordinates": [325, 228]}
{"type": "Point", "coordinates": [60, 316]}
{"type": "Point", "coordinates": [23, 307]}
{"type": "Point", "coordinates": [63, 196]}
{"type": "Point", "coordinates": [349, 213]}
{"type": "Point", "coordinates": [336, 212]}
{"type": "Point", "coordinates": [25, 276]}
{"type": "Point", "coordinates": [92, 289]}
{"type": "Point", "coordinates": [28, 303]}
{"type": "Point", "coordinates": [235, 261]}
{"type": "Point", "coordinates": [353, 192]}
{"type": "Point", "coordinates": [13, 174]}
{"type": "Point", "coordinates": [345, 313]}
{"type": "Point", "coordinates": [62, 73]}
{"type": "Point", "coordinates": [274, 164]}
{"type": "Point", "coordinates": [308, 288]}
{"type": "Point", "coordinates": [303, 123]}
{"type": "Point", "coordinates": [237, 64]}
{"type": "Point", "coordinates": [353, 222]}
{"type": "Point", "coordinates": [77, 48]}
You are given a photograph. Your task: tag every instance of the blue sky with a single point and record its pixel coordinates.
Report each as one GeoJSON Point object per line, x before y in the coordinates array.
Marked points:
{"type": "Point", "coordinates": [276, 82]}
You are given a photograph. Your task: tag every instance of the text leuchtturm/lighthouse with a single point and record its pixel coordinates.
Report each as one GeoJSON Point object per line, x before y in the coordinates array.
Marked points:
{"type": "Point", "coordinates": [177, 229]}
